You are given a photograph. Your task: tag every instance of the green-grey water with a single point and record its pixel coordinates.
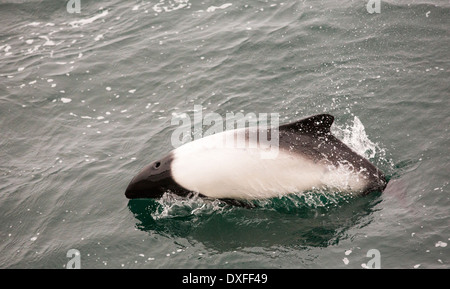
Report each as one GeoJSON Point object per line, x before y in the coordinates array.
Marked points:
{"type": "Point", "coordinates": [87, 100]}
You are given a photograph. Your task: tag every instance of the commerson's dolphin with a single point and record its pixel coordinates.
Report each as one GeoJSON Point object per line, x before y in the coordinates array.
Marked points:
{"type": "Point", "coordinates": [308, 157]}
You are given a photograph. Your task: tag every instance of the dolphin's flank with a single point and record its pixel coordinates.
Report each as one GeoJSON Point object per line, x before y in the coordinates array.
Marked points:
{"type": "Point", "coordinates": [308, 156]}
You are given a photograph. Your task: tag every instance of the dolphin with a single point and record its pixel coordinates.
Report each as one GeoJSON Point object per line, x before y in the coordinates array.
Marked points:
{"type": "Point", "coordinates": [307, 157]}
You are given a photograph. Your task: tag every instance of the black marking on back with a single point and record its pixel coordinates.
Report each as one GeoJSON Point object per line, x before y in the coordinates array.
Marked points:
{"type": "Point", "coordinates": [317, 125]}
{"type": "Point", "coordinates": [311, 137]}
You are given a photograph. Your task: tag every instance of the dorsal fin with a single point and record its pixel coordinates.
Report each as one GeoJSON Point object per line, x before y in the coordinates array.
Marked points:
{"type": "Point", "coordinates": [317, 124]}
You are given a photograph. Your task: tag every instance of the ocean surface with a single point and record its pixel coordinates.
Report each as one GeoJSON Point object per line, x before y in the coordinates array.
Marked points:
{"type": "Point", "coordinates": [87, 99]}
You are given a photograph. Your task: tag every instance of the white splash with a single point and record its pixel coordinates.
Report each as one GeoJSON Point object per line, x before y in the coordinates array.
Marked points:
{"type": "Point", "coordinates": [82, 22]}
{"type": "Point", "coordinates": [214, 8]}
{"type": "Point", "coordinates": [32, 50]}
{"type": "Point", "coordinates": [98, 37]}
{"type": "Point", "coordinates": [170, 5]}
{"type": "Point", "coordinates": [48, 42]}
{"type": "Point", "coordinates": [356, 138]}
{"type": "Point", "coordinates": [6, 49]}
{"type": "Point", "coordinates": [34, 24]}
{"type": "Point", "coordinates": [172, 206]}
{"type": "Point", "coordinates": [441, 244]}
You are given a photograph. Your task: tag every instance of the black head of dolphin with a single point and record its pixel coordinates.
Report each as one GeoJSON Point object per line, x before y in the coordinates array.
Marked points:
{"type": "Point", "coordinates": [153, 180]}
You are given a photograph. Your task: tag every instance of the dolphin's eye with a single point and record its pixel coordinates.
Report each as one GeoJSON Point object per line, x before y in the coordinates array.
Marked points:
{"type": "Point", "coordinates": [157, 165]}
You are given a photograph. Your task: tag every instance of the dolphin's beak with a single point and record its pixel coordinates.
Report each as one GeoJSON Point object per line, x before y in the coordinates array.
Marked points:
{"type": "Point", "coordinates": [152, 181]}
{"type": "Point", "coordinates": [141, 185]}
